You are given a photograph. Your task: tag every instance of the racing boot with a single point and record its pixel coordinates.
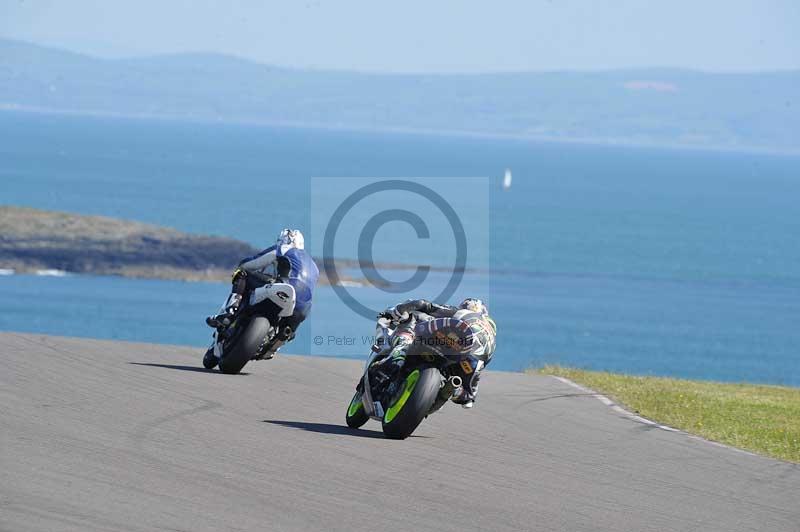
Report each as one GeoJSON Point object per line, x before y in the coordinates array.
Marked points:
{"type": "Point", "coordinates": [464, 398]}
{"type": "Point", "coordinates": [221, 321]}
{"type": "Point", "coordinates": [467, 394]}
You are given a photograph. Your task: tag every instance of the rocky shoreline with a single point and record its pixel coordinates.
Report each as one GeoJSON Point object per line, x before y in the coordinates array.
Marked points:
{"type": "Point", "coordinates": [49, 242]}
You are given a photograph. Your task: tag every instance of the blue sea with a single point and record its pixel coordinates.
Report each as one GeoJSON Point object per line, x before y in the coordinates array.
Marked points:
{"type": "Point", "coordinates": [648, 261]}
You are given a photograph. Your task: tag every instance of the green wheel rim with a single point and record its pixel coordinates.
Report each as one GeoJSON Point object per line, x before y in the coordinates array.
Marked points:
{"type": "Point", "coordinates": [411, 383]}
{"type": "Point", "coordinates": [355, 405]}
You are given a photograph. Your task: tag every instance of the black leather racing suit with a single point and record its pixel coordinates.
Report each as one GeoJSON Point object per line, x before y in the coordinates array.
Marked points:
{"type": "Point", "coordinates": [425, 315]}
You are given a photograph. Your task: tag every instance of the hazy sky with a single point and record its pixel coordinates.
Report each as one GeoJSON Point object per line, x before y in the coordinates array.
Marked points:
{"type": "Point", "coordinates": [429, 35]}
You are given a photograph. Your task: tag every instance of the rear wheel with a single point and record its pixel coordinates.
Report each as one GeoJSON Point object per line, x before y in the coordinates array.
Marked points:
{"type": "Point", "coordinates": [356, 416]}
{"type": "Point", "coordinates": [419, 391]}
{"type": "Point", "coordinates": [246, 347]}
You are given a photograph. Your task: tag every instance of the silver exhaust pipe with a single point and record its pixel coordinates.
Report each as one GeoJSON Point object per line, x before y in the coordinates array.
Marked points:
{"type": "Point", "coordinates": [455, 381]}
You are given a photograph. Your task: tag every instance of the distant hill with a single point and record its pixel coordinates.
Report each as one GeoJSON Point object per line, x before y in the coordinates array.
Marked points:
{"type": "Point", "coordinates": [650, 106]}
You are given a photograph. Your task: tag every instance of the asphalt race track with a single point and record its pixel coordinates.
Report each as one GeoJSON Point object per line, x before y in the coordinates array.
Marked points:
{"type": "Point", "coordinates": [111, 436]}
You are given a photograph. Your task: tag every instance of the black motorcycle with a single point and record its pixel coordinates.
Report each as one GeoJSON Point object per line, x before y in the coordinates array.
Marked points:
{"type": "Point", "coordinates": [432, 374]}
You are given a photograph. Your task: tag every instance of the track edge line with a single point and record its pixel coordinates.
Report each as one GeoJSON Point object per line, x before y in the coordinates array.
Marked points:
{"type": "Point", "coordinates": [639, 419]}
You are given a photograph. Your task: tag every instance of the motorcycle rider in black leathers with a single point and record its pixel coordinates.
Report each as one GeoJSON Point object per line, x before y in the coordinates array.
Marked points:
{"type": "Point", "coordinates": [471, 314]}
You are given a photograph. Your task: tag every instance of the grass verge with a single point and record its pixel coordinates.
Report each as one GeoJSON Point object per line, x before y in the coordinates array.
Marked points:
{"type": "Point", "coordinates": [762, 419]}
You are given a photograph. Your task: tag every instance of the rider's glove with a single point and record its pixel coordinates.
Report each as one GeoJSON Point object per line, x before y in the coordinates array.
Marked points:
{"type": "Point", "coordinates": [238, 274]}
{"type": "Point", "coordinates": [397, 315]}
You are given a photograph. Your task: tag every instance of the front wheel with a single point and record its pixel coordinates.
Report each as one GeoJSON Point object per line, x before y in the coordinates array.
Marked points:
{"type": "Point", "coordinates": [245, 347]}
{"type": "Point", "coordinates": [210, 360]}
{"type": "Point", "coordinates": [356, 416]}
{"type": "Point", "coordinates": [419, 391]}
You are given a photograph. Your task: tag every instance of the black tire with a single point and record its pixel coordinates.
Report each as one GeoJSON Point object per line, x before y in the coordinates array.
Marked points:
{"type": "Point", "coordinates": [246, 347]}
{"type": "Point", "coordinates": [358, 416]}
{"type": "Point", "coordinates": [210, 360]}
{"type": "Point", "coordinates": [416, 406]}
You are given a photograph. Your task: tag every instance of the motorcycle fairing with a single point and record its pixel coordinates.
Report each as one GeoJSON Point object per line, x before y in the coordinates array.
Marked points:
{"type": "Point", "coordinates": [282, 294]}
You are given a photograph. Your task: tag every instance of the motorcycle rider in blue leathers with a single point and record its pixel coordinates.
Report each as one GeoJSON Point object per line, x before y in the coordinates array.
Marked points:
{"type": "Point", "coordinates": [290, 263]}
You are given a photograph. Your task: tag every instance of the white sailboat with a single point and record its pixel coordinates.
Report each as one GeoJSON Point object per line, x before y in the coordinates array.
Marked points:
{"type": "Point", "coordinates": [507, 179]}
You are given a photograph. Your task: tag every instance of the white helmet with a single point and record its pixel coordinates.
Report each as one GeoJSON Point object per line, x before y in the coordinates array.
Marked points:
{"type": "Point", "coordinates": [290, 238]}
{"type": "Point", "coordinates": [474, 305]}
